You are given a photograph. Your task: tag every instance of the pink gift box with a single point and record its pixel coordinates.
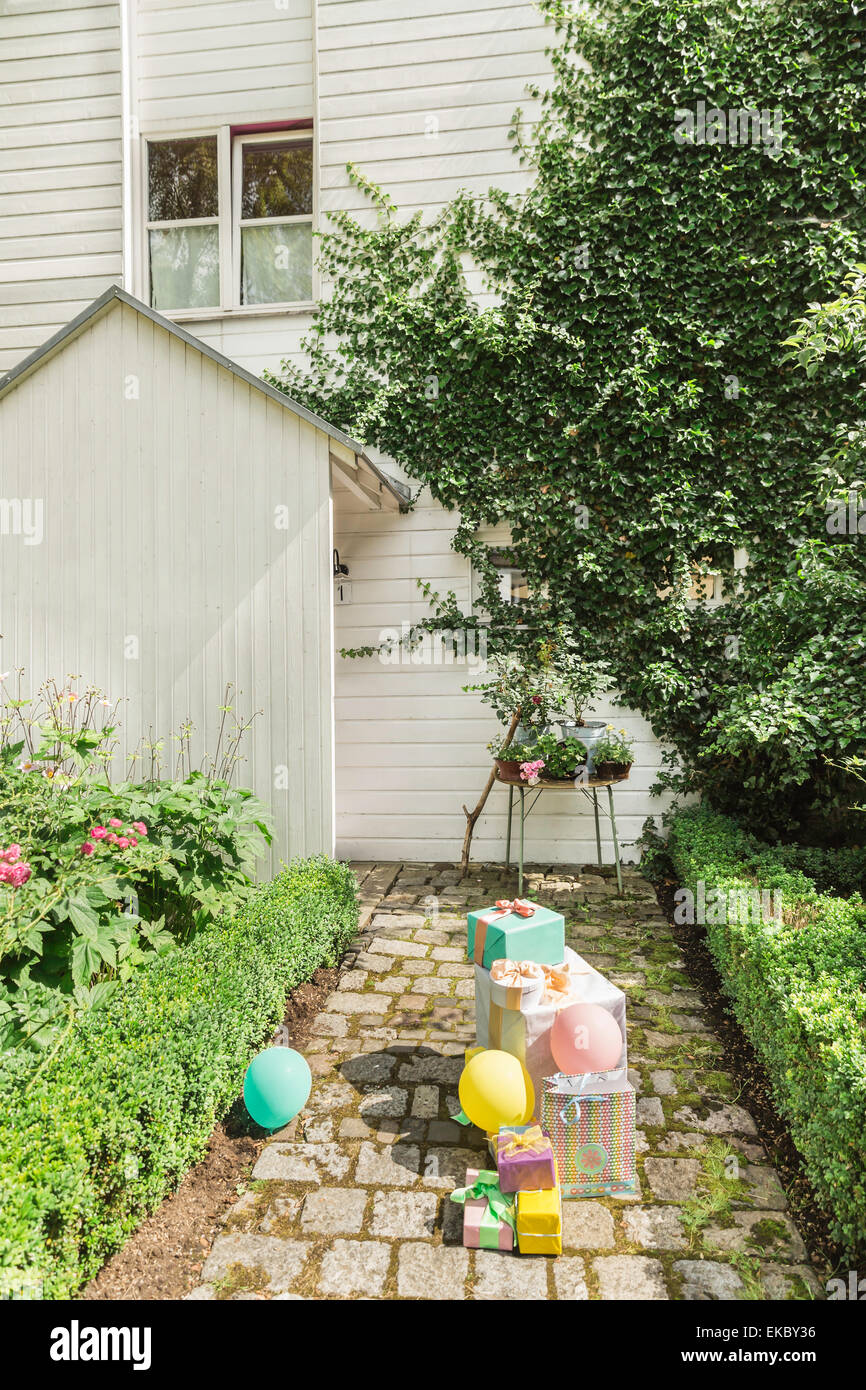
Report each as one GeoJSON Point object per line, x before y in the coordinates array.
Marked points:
{"type": "Point", "coordinates": [476, 1214]}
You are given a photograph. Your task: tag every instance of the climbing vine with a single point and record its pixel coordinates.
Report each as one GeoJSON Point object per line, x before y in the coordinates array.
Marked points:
{"type": "Point", "coordinates": [621, 397]}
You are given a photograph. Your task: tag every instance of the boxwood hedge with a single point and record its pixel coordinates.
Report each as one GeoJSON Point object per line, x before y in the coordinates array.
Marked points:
{"type": "Point", "coordinates": [798, 988]}
{"type": "Point", "coordinates": [92, 1141]}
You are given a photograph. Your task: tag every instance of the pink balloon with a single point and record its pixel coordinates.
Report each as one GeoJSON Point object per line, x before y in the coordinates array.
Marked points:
{"type": "Point", "coordinates": [585, 1037]}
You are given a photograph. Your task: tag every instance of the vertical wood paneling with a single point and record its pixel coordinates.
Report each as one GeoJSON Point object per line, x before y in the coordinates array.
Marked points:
{"type": "Point", "coordinates": [159, 524]}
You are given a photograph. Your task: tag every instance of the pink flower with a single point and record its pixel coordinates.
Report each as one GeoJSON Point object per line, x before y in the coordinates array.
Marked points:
{"type": "Point", "coordinates": [19, 874]}
{"type": "Point", "coordinates": [115, 823]}
{"type": "Point", "coordinates": [530, 771]}
{"type": "Point", "coordinates": [536, 699]}
{"type": "Point", "coordinates": [88, 847]}
{"type": "Point", "coordinates": [5, 871]}
{"type": "Point", "coordinates": [98, 832]}
{"type": "Point", "coordinates": [140, 826]}
{"type": "Point", "coordinates": [12, 853]}
{"type": "Point", "coordinates": [133, 839]}
{"type": "Point", "coordinates": [123, 842]}
{"type": "Point", "coordinates": [112, 839]}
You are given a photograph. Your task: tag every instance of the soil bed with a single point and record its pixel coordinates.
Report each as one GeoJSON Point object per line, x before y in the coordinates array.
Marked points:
{"type": "Point", "coordinates": [757, 1094]}
{"type": "Point", "coordinates": [163, 1259]}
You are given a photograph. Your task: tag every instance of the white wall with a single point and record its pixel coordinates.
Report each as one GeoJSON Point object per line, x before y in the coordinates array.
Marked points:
{"type": "Point", "coordinates": [60, 165]}
{"type": "Point", "coordinates": [141, 450]}
{"type": "Point", "coordinates": [411, 745]}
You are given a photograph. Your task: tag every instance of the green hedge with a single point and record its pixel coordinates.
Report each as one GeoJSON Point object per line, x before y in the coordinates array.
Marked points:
{"type": "Point", "coordinates": [797, 988]}
{"type": "Point", "coordinates": [95, 1140]}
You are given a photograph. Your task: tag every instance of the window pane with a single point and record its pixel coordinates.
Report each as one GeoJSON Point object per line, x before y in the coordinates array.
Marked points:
{"type": "Point", "coordinates": [182, 177]}
{"type": "Point", "coordinates": [277, 264]}
{"type": "Point", "coordinates": [184, 268]}
{"type": "Point", "coordinates": [277, 180]}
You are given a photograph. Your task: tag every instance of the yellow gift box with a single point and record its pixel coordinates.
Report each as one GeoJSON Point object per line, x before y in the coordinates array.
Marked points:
{"type": "Point", "coordinates": [539, 1222]}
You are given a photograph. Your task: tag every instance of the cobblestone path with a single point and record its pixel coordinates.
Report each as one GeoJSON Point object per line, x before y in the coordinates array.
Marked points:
{"type": "Point", "coordinates": [351, 1200]}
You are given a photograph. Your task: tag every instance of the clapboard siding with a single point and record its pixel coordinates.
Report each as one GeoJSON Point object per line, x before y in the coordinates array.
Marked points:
{"type": "Point", "coordinates": [411, 744]}
{"type": "Point", "coordinates": [215, 63]}
{"type": "Point", "coordinates": [139, 447]}
{"type": "Point", "coordinates": [60, 166]}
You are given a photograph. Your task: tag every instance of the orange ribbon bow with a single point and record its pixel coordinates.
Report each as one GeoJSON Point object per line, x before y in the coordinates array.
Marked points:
{"type": "Point", "coordinates": [516, 973]}
{"type": "Point", "coordinates": [503, 908]}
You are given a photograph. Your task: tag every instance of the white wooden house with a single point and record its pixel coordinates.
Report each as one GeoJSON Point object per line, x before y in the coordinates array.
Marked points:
{"type": "Point", "coordinates": [138, 143]}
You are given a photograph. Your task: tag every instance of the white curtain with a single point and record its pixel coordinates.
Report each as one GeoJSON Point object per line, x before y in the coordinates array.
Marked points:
{"type": "Point", "coordinates": [277, 263]}
{"type": "Point", "coordinates": [185, 268]}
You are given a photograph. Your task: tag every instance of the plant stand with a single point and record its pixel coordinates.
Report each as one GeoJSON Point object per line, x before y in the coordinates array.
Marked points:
{"type": "Point", "coordinates": [590, 790]}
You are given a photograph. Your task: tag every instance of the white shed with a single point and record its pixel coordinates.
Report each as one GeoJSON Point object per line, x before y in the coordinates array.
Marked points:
{"type": "Point", "coordinates": [166, 527]}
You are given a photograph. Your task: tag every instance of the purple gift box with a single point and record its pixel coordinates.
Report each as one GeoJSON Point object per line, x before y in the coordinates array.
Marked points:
{"type": "Point", "coordinates": [524, 1157]}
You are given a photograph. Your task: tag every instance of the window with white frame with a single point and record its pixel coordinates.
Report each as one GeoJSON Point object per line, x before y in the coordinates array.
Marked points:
{"type": "Point", "coordinates": [513, 585]}
{"type": "Point", "coordinates": [230, 221]}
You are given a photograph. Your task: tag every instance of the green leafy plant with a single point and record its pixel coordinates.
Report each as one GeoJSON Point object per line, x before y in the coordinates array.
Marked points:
{"type": "Point", "coordinates": [614, 747]}
{"type": "Point", "coordinates": [621, 403]}
{"type": "Point", "coordinates": [557, 685]}
{"type": "Point", "coordinates": [94, 1136]}
{"type": "Point", "coordinates": [796, 987]}
{"type": "Point", "coordinates": [561, 757]}
{"type": "Point", "coordinates": [98, 878]}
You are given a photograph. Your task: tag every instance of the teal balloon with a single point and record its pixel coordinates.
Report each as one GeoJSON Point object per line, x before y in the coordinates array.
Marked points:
{"type": "Point", "coordinates": [277, 1085]}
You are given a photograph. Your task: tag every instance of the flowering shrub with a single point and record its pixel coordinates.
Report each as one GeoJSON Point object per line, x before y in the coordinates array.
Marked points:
{"type": "Point", "coordinates": [99, 878]}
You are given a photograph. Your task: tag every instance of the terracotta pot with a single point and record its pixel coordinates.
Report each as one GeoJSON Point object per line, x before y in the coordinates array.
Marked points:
{"type": "Point", "coordinates": [612, 772]}
{"type": "Point", "coordinates": [508, 769]}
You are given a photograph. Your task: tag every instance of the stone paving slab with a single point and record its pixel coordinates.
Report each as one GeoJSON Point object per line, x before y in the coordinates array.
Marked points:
{"type": "Point", "coordinates": [351, 1200]}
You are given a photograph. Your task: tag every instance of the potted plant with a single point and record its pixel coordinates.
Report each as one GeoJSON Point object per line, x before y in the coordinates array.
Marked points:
{"type": "Point", "coordinates": [561, 757]}
{"type": "Point", "coordinates": [508, 758]}
{"type": "Point", "coordinates": [613, 755]}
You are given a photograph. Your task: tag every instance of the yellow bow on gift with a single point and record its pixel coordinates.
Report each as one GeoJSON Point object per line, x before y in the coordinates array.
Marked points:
{"type": "Point", "coordinates": [533, 1141]}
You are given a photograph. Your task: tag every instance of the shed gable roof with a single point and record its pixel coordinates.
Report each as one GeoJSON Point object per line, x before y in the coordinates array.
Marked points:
{"type": "Point", "coordinates": [115, 295]}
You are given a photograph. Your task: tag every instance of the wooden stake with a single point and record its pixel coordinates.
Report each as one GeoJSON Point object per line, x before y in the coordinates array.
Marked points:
{"type": "Point", "coordinates": [472, 816]}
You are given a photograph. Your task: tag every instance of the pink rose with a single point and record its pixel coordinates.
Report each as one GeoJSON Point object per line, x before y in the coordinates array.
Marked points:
{"type": "Point", "coordinates": [98, 832]}
{"type": "Point", "coordinates": [133, 839]}
{"type": "Point", "coordinates": [140, 826]}
{"type": "Point", "coordinates": [19, 874]}
{"type": "Point", "coordinates": [88, 847]}
{"type": "Point", "coordinates": [5, 871]}
{"type": "Point", "coordinates": [12, 853]}
{"type": "Point", "coordinates": [112, 839]}
{"type": "Point", "coordinates": [115, 823]}
{"type": "Point", "coordinates": [123, 842]}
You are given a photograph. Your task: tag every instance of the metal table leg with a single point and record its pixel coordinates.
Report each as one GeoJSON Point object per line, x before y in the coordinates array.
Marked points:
{"type": "Point", "coordinates": [597, 827]}
{"type": "Point", "coordinates": [615, 840]}
{"type": "Point", "coordinates": [522, 818]}
{"type": "Point", "coordinates": [508, 833]}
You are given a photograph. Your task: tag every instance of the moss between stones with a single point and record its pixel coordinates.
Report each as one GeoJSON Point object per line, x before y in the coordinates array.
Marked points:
{"type": "Point", "coordinates": [240, 1278]}
{"type": "Point", "coordinates": [765, 1233]}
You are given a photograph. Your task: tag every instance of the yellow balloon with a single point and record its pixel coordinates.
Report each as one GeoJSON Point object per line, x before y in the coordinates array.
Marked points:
{"type": "Point", "coordinates": [495, 1090]}
{"type": "Point", "coordinates": [530, 1097]}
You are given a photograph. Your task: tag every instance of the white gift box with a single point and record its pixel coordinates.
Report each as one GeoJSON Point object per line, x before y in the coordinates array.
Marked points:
{"type": "Point", "coordinates": [525, 1031]}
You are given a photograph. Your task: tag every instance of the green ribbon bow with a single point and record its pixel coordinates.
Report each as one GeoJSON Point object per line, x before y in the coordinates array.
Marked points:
{"type": "Point", "coordinates": [487, 1185]}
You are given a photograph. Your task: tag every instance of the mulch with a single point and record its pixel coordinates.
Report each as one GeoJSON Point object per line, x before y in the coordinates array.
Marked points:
{"type": "Point", "coordinates": [163, 1259]}
{"type": "Point", "coordinates": [756, 1093]}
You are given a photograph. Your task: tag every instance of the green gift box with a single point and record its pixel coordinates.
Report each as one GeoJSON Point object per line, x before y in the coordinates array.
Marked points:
{"type": "Point", "coordinates": [520, 930]}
